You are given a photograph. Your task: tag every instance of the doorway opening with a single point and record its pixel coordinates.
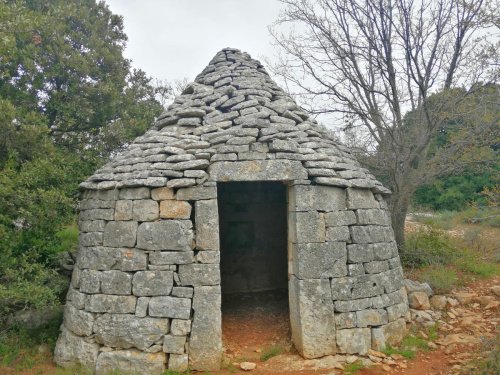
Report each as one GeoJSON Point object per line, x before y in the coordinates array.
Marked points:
{"type": "Point", "coordinates": [254, 266]}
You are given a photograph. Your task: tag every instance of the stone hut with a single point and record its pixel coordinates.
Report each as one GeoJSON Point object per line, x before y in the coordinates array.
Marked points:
{"type": "Point", "coordinates": [234, 188]}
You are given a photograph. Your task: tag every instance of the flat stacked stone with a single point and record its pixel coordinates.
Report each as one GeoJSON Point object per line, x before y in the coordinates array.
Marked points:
{"type": "Point", "coordinates": [145, 293]}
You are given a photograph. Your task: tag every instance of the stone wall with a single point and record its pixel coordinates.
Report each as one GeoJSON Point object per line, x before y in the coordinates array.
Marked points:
{"type": "Point", "coordinates": [143, 294]}
{"type": "Point", "coordinates": [346, 288]}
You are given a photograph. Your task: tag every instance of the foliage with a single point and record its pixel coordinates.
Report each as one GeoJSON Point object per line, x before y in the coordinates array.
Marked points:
{"type": "Point", "coordinates": [270, 352]}
{"type": "Point", "coordinates": [490, 363]}
{"type": "Point", "coordinates": [441, 279]}
{"type": "Point", "coordinates": [426, 247]}
{"type": "Point", "coordinates": [352, 368]}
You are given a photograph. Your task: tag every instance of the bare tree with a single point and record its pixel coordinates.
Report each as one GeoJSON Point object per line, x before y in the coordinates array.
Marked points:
{"type": "Point", "coordinates": [375, 61]}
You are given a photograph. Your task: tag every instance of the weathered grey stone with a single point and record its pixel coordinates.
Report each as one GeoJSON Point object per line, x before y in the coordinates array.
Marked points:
{"type": "Point", "coordinates": [340, 218]}
{"type": "Point", "coordinates": [123, 210]}
{"type": "Point", "coordinates": [197, 193]}
{"type": "Point", "coordinates": [76, 298]}
{"type": "Point", "coordinates": [361, 198]}
{"type": "Point", "coordinates": [153, 283]}
{"type": "Point", "coordinates": [162, 193]}
{"type": "Point", "coordinates": [207, 225]}
{"type": "Point", "coordinates": [116, 282]}
{"type": "Point", "coordinates": [135, 193]}
{"type": "Point", "coordinates": [371, 317]}
{"type": "Point", "coordinates": [170, 307]}
{"type": "Point", "coordinates": [165, 235]}
{"type": "Point", "coordinates": [182, 291]}
{"type": "Point", "coordinates": [127, 331]}
{"type": "Point", "coordinates": [373, 216]}
{"type": "Point", "coordinates": [120, 233]}
{"type": "Point", "coordinates": [354, 340]}
{"type": "Point", "coordinates": [389, 334]}
{"type": "Point", "coordinates": [338, 234]}
{"type": "Point", "coordinates": [371, 233]}
{"type": "Point", "coordinates": [377, 266]}
{"type": "Point", "coordinates": [97, 214]}
{"type": "Point", "coordinates": [355, 269]}
{"type": "Point", "coordinates": [90, 281]}
{"type": "Point", "coordinates": [171, 257]}
{"type": "Point", "coordinates": [396, 311]}
{"type": "Point", "coordinates": [141, 308]}
{"type": "Point", "coordinates": [311, 317]}
{"type": "Point", "coordinates": [131, 260]}
{"type": "Point", "coordinates": [145, 210]}
{"type": "Point", "coordinates": [205, 344]}
{"type": "Point", "coordinates": [178, 362]}
{"type": "Point", "coordinates": [173, 209]}
{"type": "Point", "coordinates": [131, 362]}
{"type": "Point", "coordinates": [207, 256]}
{"type": "Point", "coordinates": [90, 239]}
{"type": "Point", "coordinates": [414, 286]}
{"type": "Point", "coordinates": [77, 321]}
{"type": "Point", "coordinates": [181, 182]}
{"type": "Point", "coordinates": [174, 344]}
{"type": "Point", "coordinates": [71, 350]}
{"type": "Point", "coordinates": [92, 226]}
{"type": "Point", "coordinates": [352, 305]}
{"type": "Point", "coordinates": [345, 320]}
{"type": "Point", "coordinates": [199, 274]}
{"type": "Point", "coordinates": [180, 327]}
{"type": "Point", "coordinates": [319, 260]}
{"type": "Point", "coordinates": [306, 227]}
{"type": "Point", "coordinates": [392, 280]}
{"type": "Point", "coordinates": [103, 303]}
{"type": "Point", "coordinates": [257, 170]}
{"type": "Point", "coordinates": [316, 198]}
{"type": "Point", "coordinates": [332, 181]}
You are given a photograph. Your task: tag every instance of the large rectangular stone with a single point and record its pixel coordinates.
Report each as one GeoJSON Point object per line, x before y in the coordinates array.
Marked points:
{"type": "Point", "coordinates": [196, 193]}
{"type": "Point", "coordinates": [319, 260]}
{"type": "Point", "coordinates": [389, 334]}
{"type": "Point", "coordinates": [120, 234]}
{"type": "Point", "coordinates": [135, 193]}
{"type": "Point", "coordinates": [205, 344]}
{"type": "Point", "coordinates": [207, 225]}
{"type": "Point", "coordinates": [131, 362]}
{"type": "Point", "coordinates": [171, 257]}
{"type": "Point", "coordinates": [116, 282]}
{"type": "Point", "coordinates": [173, 235]}
{"type": "Point", "coordinates": [373, 216]}
{"type": "Point", "coordinates": [371, 233]}
{"type": "Point", "coordinates": [145, 210]}
{"type": "Point", "coordinates": [354, 340]}
{"type": "Point", "coordinates": [197, 274]}
{"type": "Point", "coordinates": [312, 317]}
{"type": "Point", "coordinates": [306, 227]}
{"type": "Point", "coordinates": [173, 209]}
{"type": "Point", "coordinates": [316, 198]}
{"type": "Point", "coordinates": [103, 303]}
{"type": "Point", "coordinates": [361, 198]}
{"type": "Point", "coordinates": [371, 317]}
{"type": "Point", "coordinates": [338, 234]}
{"type": "Point", "coordinates": [340, 218]}
{"type": "Point", "coordinates": [71, 349]}
{"type": "Point", "coordinates": [170, 307]}
{"type": "Point", "coordinates": [257, 170]}
{"type": "Point", "coordinates": [153, 283]}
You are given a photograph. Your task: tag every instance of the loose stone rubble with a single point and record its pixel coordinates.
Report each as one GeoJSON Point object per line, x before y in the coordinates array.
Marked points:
{"type": "Point", "coordinates": [145, 292]}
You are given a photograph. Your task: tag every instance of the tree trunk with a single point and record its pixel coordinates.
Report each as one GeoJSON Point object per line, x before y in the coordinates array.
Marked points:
{"type": "Point", "coordinates": [399, 203]}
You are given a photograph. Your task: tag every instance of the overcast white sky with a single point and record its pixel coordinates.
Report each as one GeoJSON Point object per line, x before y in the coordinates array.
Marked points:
{"type": "Point", "coordinates": [173, 39]}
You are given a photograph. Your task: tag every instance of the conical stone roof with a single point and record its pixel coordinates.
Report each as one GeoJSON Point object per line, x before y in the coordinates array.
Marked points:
{"type": "Point", "coordinates": [233, 111]}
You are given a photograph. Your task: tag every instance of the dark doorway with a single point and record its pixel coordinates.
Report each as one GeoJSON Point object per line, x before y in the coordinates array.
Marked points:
{"type": "Point", "coordinates": [253, 265]}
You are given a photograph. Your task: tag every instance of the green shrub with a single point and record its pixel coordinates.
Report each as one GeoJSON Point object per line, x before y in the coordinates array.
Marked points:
{"type": "Point", "coordinates": [270, 352]}
{"type": "Point", "coordinates": [477, 267]}
{"type": "Point", "coordinates": [427, 247]}
{"type": "Point", "coordinates": [352, 368]}
{"type": "Point", "coordinates": [441, 279]}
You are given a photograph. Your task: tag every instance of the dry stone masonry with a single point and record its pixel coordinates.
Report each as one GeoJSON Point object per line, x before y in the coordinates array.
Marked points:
{"type": "Point", "coordinates": [145, 294]}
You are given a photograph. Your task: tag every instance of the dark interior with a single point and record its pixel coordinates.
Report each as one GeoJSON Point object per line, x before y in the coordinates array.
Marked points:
{"type": "Point", "coordinates": [253, 236]}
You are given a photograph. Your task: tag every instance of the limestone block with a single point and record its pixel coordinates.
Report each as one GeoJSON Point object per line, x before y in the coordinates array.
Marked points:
{"type": "Point", "coordinates": [131, 260]}
{"type": "Point", "coordinates": [205, 344]}
{"type": "Point", "coordinates": [207, 225]}
{"type": "Point", "coordinates": [77, 321]}
{"type": "Point", "coordinates": [123, 210]}
{"type": "Point", "coordinates": [396, 311]}
{"type": "Point", "coordinates": [171, 257]}
{"type": "Point", "coordinates": [172, 209]}
{"type": "Point", "coordinates": [145, 210]}
{"type": "Point", "coordinates": [96, 258]}
{"type": "Point", "coordinates": [415, 286]}
{"type": "Point", "coordinates": [371, 233]}
{"type": "Point", "coordinates": [392, 280]}
{"type": "Point", "coordinates": [77, 299]}
{"type": "Point", "coordinates": [356, 287]}
{"type": "Point", "coordinates": [196, 193]}
{"type": "Point", "coordinates": [174, 344]}
{"type": "Point", "coordinates": [120, 233]}
{"type": "Point", "coordinates": [419, 301]}
{"type": "Point", "coordinates": [316, 198]}
{"type": "Point", "coordinates": [306, 227]}
{"type": "Point", "coordinates": [135, 193]}
{"type": "Point", "coordinates": [170, 307]}
{"type": "Point", "coordinates": [72, 350]}
{"type": "Point", "coordinates": [438, 302]}
{"type": "Point", "coordinates": [97, 214]}
{"type": "Point", "coordinates": [257, 170]}
{"type": "Point", "coordinates": [76, 277]}
{"type": "Point", "coordinates": [311, 317]}
{"type": "Point", "coordinates": [199, 274]}
{"type": "Point", "coordinates": [141, 308]}
{"type": "Point", "coordinates": [384, 250]}
{"type": "Point", "coordinates": [178, 362]}
{"type": "Point", "coordinates": [90, 239]}
{"type": "Point", "coordinates": [394, 263]}
{"type": "Point", "coordinates": [131, 362]}
{"type": "Point", "coordinates": [90, 281]}
{"type": "Point", "coordinates": [92, 225]}
{"type": "Point", "coordinates": [207, 256]}
{"type": "Point", "coordinates": [373, 216]}
{"type": "Point", "coordinates": [377, 266]}
{"type": "Point", "coordinates": [339, 218]}
{"type": "Point", "coordinates": [352, 305]}
{"type": "Point", "coordinates": [389, 334]}
{"type": "Point", "coordinates": [356, 269]}
{"type": "Point", "coordinates": [345, 320]}
{"type": "Point", "coordinates": [319, 260]}
{"type": "Point", "coordinates": [174, 235]}
{"type": "Point", "coordinates": [127, 331]}
{"type": "Point", "coordinates": [162, 193]}
{"type": "Point", "coordinates": [338, 234]}
{"type": "Point", "coordinates": [361, 198]}
{"type": "Point", "coordinates": [354, 340]}
{"type": "Point", "coordinates": [116, 282]}
{"type": "Point", "coordinates": [153, 283]}
{"type": "Point", "coordinates": [180, 327]}
{"type": "Point", "coordinates": [102, 303]}
{"type": "Point", "coordinates": [371, 317]}
{"type": "Point", "coordinates": [182, 291]}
